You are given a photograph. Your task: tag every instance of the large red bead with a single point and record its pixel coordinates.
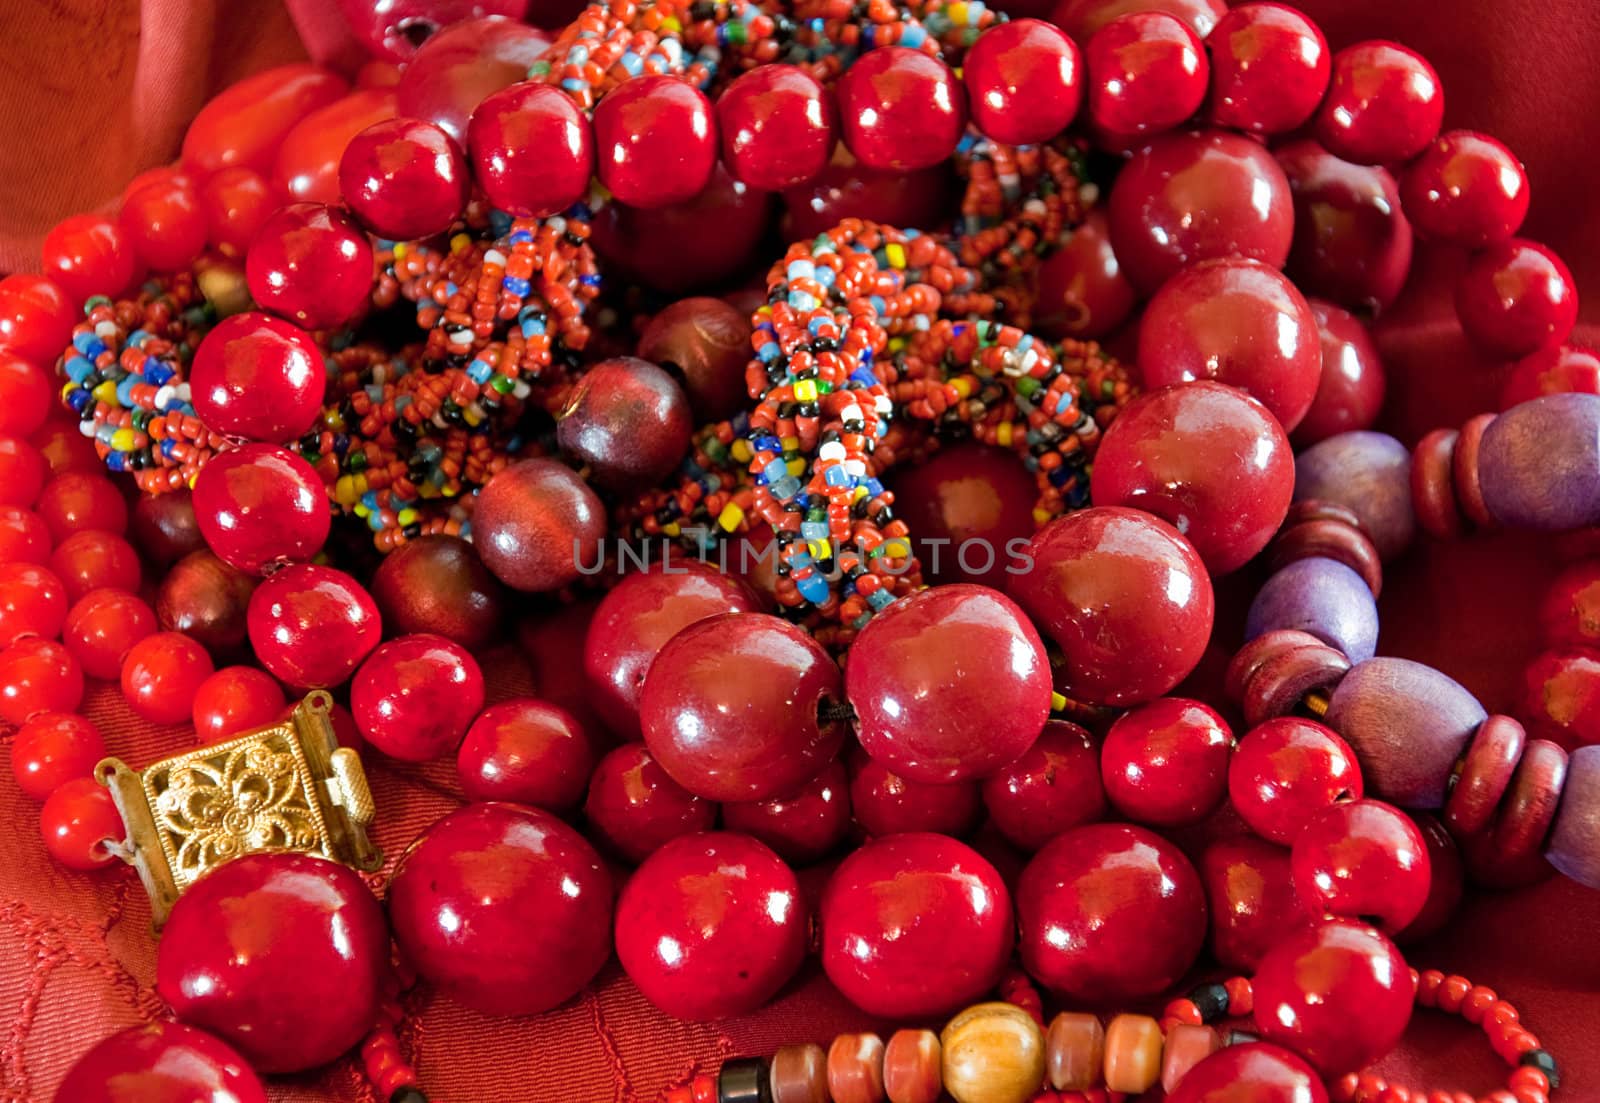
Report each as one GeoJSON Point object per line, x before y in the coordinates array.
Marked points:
{"type": "Point", "coordinates": [948, 684]}
{"type": "Point", "coordinates": [655, 141]}
{"type": "Point", "coordinates": [1024, 81]}
{"type": "Point", "coordinates": [1080, 289]}
{"type": "Point", "coordinates": [1147, 73]}
{"type": "Point", "coordinates": [163, 526]}
{"type": "Point", "coordinates": [77, 821]}
{"type": "Point", "coordinates": [164, 222]}
{"type": "Point", "coordinates": [1108, 913]}
{"type": "Point", "coordinates": [711, 926]}
{"type": "Point", "coordinates": [1250, 1073]}
{"type": "Point", "coordinates": [1126, 599]}
{"type": "Point", "coordinates": [1285, 771]}
{"type": "Point", "coordinates": [1337, 992]}
{"type": "Point", "coordinates": [261, 505]}
{"type": "Point", "coordinates": [33, 602]}
{"type": "Point", "coordinates": [161, 676]}
{"type": "Point", "coordinates": [1054, 786]}
{"type": "Point", "coordinates": [463, 894]}
{"type": "Point", "coordinates": [777, 126]}
{"type": "Point", "coordinates": [75, 501]}
{"type": "Point", "coordinates": [1558, 369]}
{"type": "Point", "coordinates": [1082, 18]}
{"type": "Point", "coordinates": [53, 749]}
{"type": "Point", "coordinates": [395, 30]}
{"type": "Point", "coordinates": [462, 65]}
{"type": "Point", "coordinates": [1570, 610]}
{"type": "Point", "coordinates": [404, 178]}
{"type": "Point", "coordinates": [24, 537]}
{"type": "Point", "coordinates": [900, 109]}
{"type": "Point", "coordinates": [1516, 297]}
{"type": "Point", "coordinates": [207, 600]}
{"type": "Point", "coordinates": [312, 264]}
{"type": "Point", "coordinates": [23, 469]}
{"type": "Point", "coordinates": [28, 392]}
{"type": "Point", "coordinates": [415, 696]}
{"type": "Point", "coordinates": [802, 826]}
{"type": "Point", "coordinates": [970, 508]}
{"type": "Point", "coordinates": [89, 254]}
{"type": "Point", "coordinates": [532, 149]}
{"type": "Point", "coordinates": [36, 319]}
{"type": "Point", "coordinates": [1445, 883]}
{"type": "Point", "coordinates": [307, 165]}
{"type": "Point", "coordinates": [256, 377]}
{"type": "Point", "coordinates": [634, 808]}
{"type": "Point", "coordinates": [1352, 385]}
{"type": "Point", "coordinates": [884, 803]}
{"type": "Point", "coordinates": [247, 122]}
{"type": "Point", "coordinates": [235, 699]}
{"type": "Point", "coordinates": [236, 201]}
{"type": "Point", "coordinates": [1269, 68]}
{"type": "Point", "coordinates": [1165, 763]}
{"type": "Point", "coordinates": [705, 343]}
{"type": "Point", "coordinates": [94, 560]}
{"type": "Point", "coordinates": [1384, 104]}
{"type": "Point", "coordinates": [527, 752]}
{"type": "Point", "coordinates": [1465, 189]}
{"type": "Point", "coordinates": [914, 926]}
{"type": "Point", "coordinates": [1250, 898]}
{"type": "Point", "coordinates": [1362, 859]}
{"type": "Point", "coordinates": [161, 1062]}
{"type": "Point", "coordinates": [312, 626]}
{"type": "Point", "coordinates": [282, 955]}
{"type": "Point", "coordinates": [38, 676]}
{"type": "Point", "coordinates": [438, 583]}
{"type": "Point", "coordinates": [538, 526]}
{"type": "Point", "coordinates": [103, 626]}
{"type": "Point", "coordinates": [628, 422]}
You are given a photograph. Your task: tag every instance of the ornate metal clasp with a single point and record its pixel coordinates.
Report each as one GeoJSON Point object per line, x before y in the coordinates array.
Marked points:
{"type": "Point", "coordinates": [288, 786]}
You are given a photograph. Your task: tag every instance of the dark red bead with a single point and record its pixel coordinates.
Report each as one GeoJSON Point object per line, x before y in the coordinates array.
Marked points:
{"type": "Point", "coordinates": [33, 602]}
{"type": "Point", "coordinates": [527, 752]}
{"type": "Point", "coordinates": [161, 676]}
{"type": "Point", "coordinates": [1269, 68]}
{"type": "Point", "coordinates": [102, 627]}
{"type": "Point", "coordinates": [1110, 913]}
{"type": "Point", "coordinates": [1250, 898]}
{"type": "Point", "coordinates": [802, 826]}
{"type": "Point", "coordinates": [537, 526]}
{"type": "Point", "coordinates": [1053, 787]}
{"type": "Point", "coordinates": [711, 926]}
{"type": "Point", "coordinates": [77, 820]}
{"type": "Point", "coordinates": [164, 224]}
{"type": "Point", "coordinates": [1384, 104]}
{"type": "Point", "coordinates": [914, 926]}
{"type": "Point", "coordinates": [633, 807]}
{"type": "Point", "coordinates": [1465, 189]}
{"type": "Point", "coordinates": [27, 389]}
{"type": "Point", "coordinates": [462, 65]}
{"type": "Point", "coordinates": [532, 150]}
{"type": "Point", "coordinates": [1287, 770]}
{"type": "Point", "coordinates": [884, 803]}
{"type": "Point", "coordinates": [461, 897]}
{"type": "Point", "coordinates": [1559, 369]}
{"type": "Point", "coordinates": [235, 699]}
{"type": "Point", "coordinates": [24, 538]}
{"type": "Point", "coordinates": [1082, 18]}
{"type": "Point", "coordinates": [1250, 1073]}
{"type": "Point", "coordinates": [1515, 298]}
{"type": "Point", "coordinates": [438, 584]}
{"type": "Point", "coordinates": [1445, 882]}
{"type": "Point", "coordinates": [282, 955]}
{"type": "Point", "coordinates": [246, 123]}
{"type": "Point", "coordinates": [236, 201]}
{"type": "Point", "coordinates": [38, 676]}
{"type": "Point", "coordinates": [778, 127]}
{"type": "Point", "coordinates": [93, 560]}
{"type": "Point", "coordinates": [1362, 859]}
{"type": "Point", "coordinates": [78, 502]}
{"type": "Point", "coordinates": [705, 343]}
{"type": "Point", "coordinates": [1352, 385]}
{"type": "Point", "coordinates": [207, 600]}
{"type": "Point", "coordinates": [1147, 73]}
{"type": "Point", "coordinates": [627, 422]}
{"type": "Point", "coordinates": [1561, 696]}
{"type": "Point", "coordinates": [395, 29]}
{"type": "Point", "coordinates": [312, 626]}
{"type": "Point", "coordinates": [1024, 81]}
{"type": "Point", "coordinates": [257, 377]}
{"type": "Point", "coordinates": [900, 109]}
{"type": "Point", "coordinates": [88, 254]}
{"type": "Point", "coordinates": [970, 510]}
{"type": "Point", "coordinates": [1080, 290]}
{"type": "Point", "coordinates": [415, 696]}
{"type": "Point", "coordinates": [655, 141]}
{"type": "Point", "coordinates": [1337, 992]}
{"type": "Point", "coordinates": [311, 264]}
{"type": "Point", "coordinates": [1510, 854]}
{"type": "Point", "coordinates": [849, 189]}
{"type": "Point", "coordinates": [1165, 763]}
{"type": "Point", "coordinates": [36, 320]}
{"type": "Point", "coordinates": [948, 684]}
{"type": "Point", "coordinates": [261, 505]}
{"type": "Point", "coordinates": [404, 179]}
{"type": "Point", "coordinates": [161, 1062]}
{"type": "Point", "coordinates": [53, 749]}
{"type": "Point", "coordinates": [163, 526]}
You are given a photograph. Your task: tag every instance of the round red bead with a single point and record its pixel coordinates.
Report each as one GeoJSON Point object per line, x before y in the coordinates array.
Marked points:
{"type": "Point", "coordinates": [633, 807]}
{"type": "Point", "coordinates": [312, 626]}
{"type": "Point", "coordinates": [236, 202]}
{"type": "Point", "coordinates": [626, 421]}
{"type": "Point", "coordinates": [1362, 859]}
{"type": "Point", "coordinates": [94, 560]}
{"type": "Point", "coordinates": [78, 502]}
{"type": "Point", "coordinates": [88, 254]}
{"type": "Point", "coordinates": [900, 109]}
{"type": "Point", "coordinates": [414, 697]}
{"type": "Point", "coordinates": [1561, 696]}
{"type": "Point", "coordinates": [537, 525]}
{"type": "Point", "coordinates": [24, 538]}
{"type": "Point", "coordinates": [161, 676]}
{"type": "Point", "coordinates": [969, 507]}
{"type": "Point", "coordinates": [1445, 883]}
{"type": "Point", "coordinates": [36, 320]}
{"type": "Point", "coordinates": [1269, 68]}
{"type": "Point", "coordinates": [1352, 385]}
{"type": "Point", "coordinates": [246, 123]}
{"type": "Point", "coordinates": [1558, 369]}
{"type": "Point", "coordinates": [884, 803]}
{"type": "Point", "coordinates": [76, 822]}
{"type": "Point", "coordinates": [206, 600]}
{"type": "Point", "coordinates": [1285, 771]}
{"type": "Point", "coordinates": [705, 343]}
{"type": "Point", "coordinates": [527, 752]}
{"type": "Point", "coordinates": [161, 1062]}
{"type": "Point", "coordinates": [38, 676]}
{"type": "Point", "coordinates": [656, 141]}
{"type": "Point", "coordinates": [261, 505]}
{"type": "Point", "coordinates": [102, 627]}
{"type": "Point", "coordinates": [257, 377]}
{"type": "Point", "coordinates": [164, 223]}
{"type": "Point", "coordinates": [1250, 1073]}
{"type": "Point", "coordinates": [1024, 80]}
{"type": "Point", "coordinates": [22, 472]}
{"type": "Point", "coordinates": [1080, 290]}
{"type": "Point", "coordinates": [1384, 104]}
{"type": "Point", "coordinates": [532, 150]}
{"type": "Point", "coordinates": [164, 527]}
{"type": "Point", "coordinates": [1054, 786]}
{"type": "Point", "coordinates": [849, 189]}
{"type": "Point", "coordinates": [28, 392]}
{"type": "Point", "coordinates": [1465, 189]}
{"type": "Point", "coordinates": [1082, 18]}
{"type": "Point", "coordinates": [404, 179]}
{"type": "Point", "coordinates": [53, 749]}
{"type": "Point", "coordinates": [235, 699]}
{"type": "Point", "coordinates": [311, 264]}
{"type": "Point", "coordinates": [33, 602]}
{"type": "Point", "coordinates": [777, 126]}
{"type": "Point", "coordinates": [1515, 298]}
{"type": "Point", "coordinates": [1147, 73]}
{"type": "Point", "coordinates": [802, 826]}
{"type": "Point", "coordinates": [1165, 763]}
{"type": "Point", "coordinates": [1250, 898]}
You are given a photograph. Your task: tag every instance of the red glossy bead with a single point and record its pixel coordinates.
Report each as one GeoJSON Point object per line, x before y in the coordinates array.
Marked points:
{"type": "Point", "coordinates": [235, 699]}
{"type": "Point", "coordinates": [1250, 898]}
{"type": "Point", "coordinates": [38, 676]}
{"type": "Point", "coordinates": [1147, 73]}
{"type": "Point", "coordinates": [1082, 18]}
{"type": "Point", "coordinates": [88, 254]}
{"type": "Point", "coordinates": [1191, 196]}
{"type": "Point", "coordinates": [739, 706]}
{"type": "Point", "coordinates": [1362, 859]}
{"type": "Point", "coordinates": [307, 166]}
{"type": "Point", "coordinates": [93, 560]}
{"type": "Point", "coordinates": [22, 472]}
{"type": "Point", "coordinates": [626, 421]}
{"type": "Point", "coordinates": [261, 505]}
{"type": "Point", "coordinates": [53, 749]}
{"type": "Point", "coordinates": [634, 808]}
{"type": "Point", "coordinates": [711, 926]}
{"type": "Point", "coordinates": [33, 602]}
{"type": "Point", "coordinates": [884, 803]}
{"type": "Point", "coordinates": [1250, 1073]}
{"type": "Point", "coordinates": [24, 537]}
{"type": "Point", "coordinates": [462, 65]}
{"type": "Point", "coordinates": [1570, 610]}
{"type": "Point", "coordinates": [1269, 68]}
{"type": "Point", "coordinates": [1384, 104]}
{"type": "Point", "coordinates": [1024, 81]}
{"type": "Point", "coordinates": [849, 189]}
{"type": "Point", "coordinates": [257, 377]}
{"type": "Point", "coordinates": [1053, 787]}
{"type": "Point", "coordinates": [1352, 385]}
{"type": "Point", "coordinates": [1466, 189]}
{"type": "Point", "coordinates": [655, 141]}
{"type": "Point", "coordinates": [705, 344]}
{"type": "Point", "coordinates": [102, 627]}
{"type": "Point", "coordinates": [161, 1062]}
{"type": "Point", "coordinates": [312, 626]}
{"type": "Point", "coordinates": [77, 820]}
{"type": "Point", "coordinates": [532, 149]}
{"type": "Point", "coordinates": [26, 392]}
{"type": "Point", "coordinates": [527, 752]}
{"type": "Point", "coordinates": [404, 179]}
{"type": "Point", "coordinates": [1337, 992]}
{"type": "Point", "coordinates": [970, 510]}
{"type": "Point", "coordinates": [79, 502]}
{"type": "Point", "coordinates": [1126, 599]}
{"type": "Point", "coordinates": [236, 201]}
{"type": "Point", "coordinates": [161, 676]}
{"type": "Point", "coordinates": [1561, 696]}
{"type": "Point", "coordinates": [246, 123]}
{"type": "Point", "coordinates": [1080, 290]}
{"type": "Point", "coordinates": [461, 897]}
{"type": "Point", "coordinates": [914, 926]}
{"type": "Point", "coordinates": [311, 264]}
{"type": "Point", "coordinates": [1241, 323]}
{"type": "Point", "coordinates": [778, 127]}
{"type": "Point", "coordinates": [537, 525]}
{"type": "Point", "coordinates": [207, 600]}
{"type": "Point", "coordinates": [802, 826]}
{"type": "Point", "coordinates": [395, 29]}
{"type": "Point", "coordinates": [438, 584]}
{"type": "Point", "coordinates": [1165, 763]}
{"type": "Point", "coordinates": [65, 448]}
{"type": "Point", "coordinates": [948, 684]}
{"type": "Point", "coordinates": [36, 320]}
{"type": "Point", "coordinates": [415, 696]}
{"type": "Point", "coordinates": [1558, 369]}
{"type": "Point", "coordinates": [1515, 298]}
{"type": "Point", "coordinates": [164, 223]}
{"type": "Point", "coordinates": [1287, 770]}
{"type": "Point", "coordinates": [900, 109]}
{"type": "Point", "coordinates": [1445, 884]}
{"type": "Point", "coordinates": [164, 528]}
{"type": "Point", "coordinates": [282, 955]}
{"type": "Point", "coordinates": [1110, 913]}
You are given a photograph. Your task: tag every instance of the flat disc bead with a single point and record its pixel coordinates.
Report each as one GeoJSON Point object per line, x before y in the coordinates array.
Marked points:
{"type": "Point", "coordinates": [1269, 68]}
{"type": "Point", "coordinates": [1508, 854]}
{"type": "Point", "coordinates": [1516, 297]}
{"type": "Point", "coordinates": [777, 125]}
{"type": "Point", "coordinates": [911, 1064]}
{"type": "Point", "coordinates": [532, 149]}
{"type": "Point", "coordinates": [1574, 843]}
{"type": "Point", "coordinates": [404, 178]}
{"type": "Point", "coordinates": [1024, 79]}
{"type": "Point", "coordinates": [900, 109]}
{"type": "Point", "coordinates": [1539, 464]}
{"type": "Point", "coordinates": [799, 1074]}
{"type": "Point", "coordinates": [1384, 104]}
{"type": "Point", "coordinates": [1323, 597]}
{"type": "Point", "coordinates": [1465, 189]}
{"type": "Point", "coordinates": [656, 141]}
{"type": "Point", "coordinates": [1370, 475]}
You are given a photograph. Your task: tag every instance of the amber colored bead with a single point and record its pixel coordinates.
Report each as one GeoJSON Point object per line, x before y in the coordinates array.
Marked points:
{"type": "Point", "coordinates": [911, 1067]}
{"type": "Point", "coordinates": [1187, 1045]}
{"type": "Point", "coordinates": [1075, 1049]}
{"type": "Point", "coordinates": [1133, 1053]}
{"type": "Point", "coordinates": [799, 1074]}
{"type": "Point", "coordinates": [993, 1053]}
{"type": "Point", "coordinates": [855, 1069]}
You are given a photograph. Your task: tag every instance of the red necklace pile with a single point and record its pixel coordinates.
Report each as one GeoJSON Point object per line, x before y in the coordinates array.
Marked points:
{"type": "Point", "coordinates": [268, 377]}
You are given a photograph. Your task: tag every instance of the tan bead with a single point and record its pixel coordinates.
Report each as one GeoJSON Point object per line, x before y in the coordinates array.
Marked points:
{"type": "Point", "coordinates": [1075, 1049]}
{"type": "Point", "coordinates": [799, 1075]}
{"type": "Point", "coordinates": [1133, 1053]}
{"type": "Point", "coordinates": [911, 1067]}
{"type": "Point", "coordinates": [993, 1053]}
{"type": "Point", "coordinates": [855, 1069]}
{"type": "Point", "coordinates": [1187, 1045]}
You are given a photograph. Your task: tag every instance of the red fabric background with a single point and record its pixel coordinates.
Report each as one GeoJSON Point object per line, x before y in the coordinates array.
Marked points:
{"type": "Point", "coordinates": [94, 90]}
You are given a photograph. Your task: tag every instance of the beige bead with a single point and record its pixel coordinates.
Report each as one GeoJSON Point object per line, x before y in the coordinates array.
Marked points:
{"type": "Point", "coordinates": [993, 1053]}
{"type": "Point", "coordinates": [1133, 1053]}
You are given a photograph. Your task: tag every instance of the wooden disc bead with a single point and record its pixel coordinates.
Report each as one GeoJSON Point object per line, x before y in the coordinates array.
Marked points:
{"type": "Point", "coordinates": [1133, 1053]}
{"type": "Point", "coordinates": [1281, 683]}
{"type": "Point", "coordinates": [1485, 774]}
{"type": "Point", "coordinates": [1464, 465]}
{"type": "Point", "coordinates": [1075, 1050]}
{"type": "Point", "coordinates": [911, 1067]}
{"type": "Point", "coordinates": [799, 1075]}
{"type": "Point", "coordinates": [1248, 659]}
{"type": "Point", "coordinates": [1187, 1045]}
{"type": "Point", "coordinates": [855, 1069]}
{"type": "Point", "coordinates": [1433, 493]}
{"type": "Point", "coordinates": [1328, 538]}
{"type": "Point", "coordinates": [1510, 852]}
{"type": "Point", "coordinates": [993, 1053]}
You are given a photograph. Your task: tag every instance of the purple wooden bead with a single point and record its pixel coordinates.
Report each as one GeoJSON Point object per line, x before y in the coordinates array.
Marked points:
{"type": "Point", "coordinates": [1574, 846]}
{"type": "Point", "coordinates": [1370, 475]}
{"type": "Point", "coordinates": [1408, 724]}
{"type": "Point", "coordinates": [1539, 463]}
{"type": "Point", "coordinates": [1321, 596]}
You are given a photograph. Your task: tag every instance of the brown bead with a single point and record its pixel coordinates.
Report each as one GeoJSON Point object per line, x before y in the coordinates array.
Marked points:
{"type": "Point", "coordinates": [1486, 771]}
{"type": "Point", "coordinates": [206, 600]}
{"type": "Point", "coordinates": [1330, 539]}
{"type": "Point", "coordinates": [1510, 853]}
{"type": "Point", "coordinates": [1133, 1053]}
{"type": "Point", "coordinates": [993, 1053]}
{"type": "Point", "coordinates": [855, 1069]}
{"type": "Point", "coordinates": [911, 1067]}
{"type": "Point", "coordinates": [799, 1075]}
{"type": "Point", "coordinates": [1187, 1045]}
{"type": "Point", "coordinates": [1433, 492]}
{"type": "Point", "coordinates": [1464, 472]}
{"type": "Point", "coordinates": [1075, 1049]}
{"type": "Point", "coordinates": [1249, 658]}
{"type": "Point", "coordinates": [1279, 685]}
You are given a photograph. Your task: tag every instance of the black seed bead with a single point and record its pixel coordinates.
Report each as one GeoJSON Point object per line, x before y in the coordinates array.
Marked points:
{"type": "Point", "coordinates": [1212, 1002]}
{"type": "Point", "coordinates": [408, 1094]}
{"type": "Point", "coordinates": [1540, 1059]}
{"type": "Point", "coordinates": [744, 1081]}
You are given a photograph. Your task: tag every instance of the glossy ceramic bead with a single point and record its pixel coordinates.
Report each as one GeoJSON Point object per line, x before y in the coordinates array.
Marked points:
{"type": "Point", "coordinates": [1126, 599]}
{"type": "Point", "coordinates": [532, 149]}
{"type": "Point", "coordinates": [1251, 1073]}
{"type": "Point", "coordinates": [1080, 289]}
{"type": "Point", "coordinates": [235, 699]}
{"type": "Point", "coordinates": [1362, 859]}
{"type": "Point", "coordinates": [711, 926]}
{"type": "Point", "coordinates": [1108, 913]}
{"type": "Point", "coordinates": [1024, 80]}
{"type": "Point", "coordinates": [1269, 68]}
{"type": "Point", "coordinates": [163, 527]}
{"type": "Point", "coordinates": [948, 684]}
{"type": "Point", "coordinates": [1054, 786]}
{"type": "Point", "coordinates": [900, 109]}
{"type": "Point", "coordinates": [1337, 992]}
{"type": "Point", "coordinates": [1075, 1048]}
{"type": "Point", "coordinates": [655, 141]}
{"type": "Point", "coordinates": [28, 391]}
{"type": "Point", "coordinates": [538, 525]}
{"type": "Point", "coordinates": [1352, 385]}
{"type": "Point", "coordinates": [915, 926]}
{"type": "Point", "coordinates": [527, 752]}
{"type": "Point", "coordinates": [1445, 884]}
{"type": "Point", "coordinates": [1147, 72]}
{"type": "Point", "coordinates": [1133, 1053]}
{"type": "Point", "coordinates": [461, 66]}
{"type": "Point", "coordinates": [38, 676]}
{"type": "Point", "coordinates": [33, 602]}
{"type": "Point", "coordinates": [414, 696]}
{"type": "Point", "coordinates": [261, 505]}
{"type": "Point", "coordinates": [77, 820]}
{"type": "Point", "coordinates": [799, 1074]}
{"type": "Point", "coordinates": [1574, 843]}
{"type": "Point", "coordinates": [1559, 369]}
{"type": "Point", "coordinates": [311, 264]}
{"type": "Point", "coordinates": [1188, 197]}
{"type": "Point", "coordinates": [1484, 774]}
{"type": "Point", "coordinates": [24, 538]}
{"type": "Point", "coordinates": [307, 165]}
{"type": "Point", "coordinates": [1370, 475]}
{"type": "Point", "coordinates": [1287, 770]}
{"type": "Point", "coordinates": [437, 583]}
{"type": "Point", "coordinates": [884, 803]}
{"type": "Point", "coordinates": [1206, 458]}
{"type": "Point", "coordinates": [705, 343]}
{"type": "Point", "coordinates": [1516, 297]}
{"type": "Point", "coordinates": [102, 627]}
{"type": "Point", "coordinates": [1384, 104]}
{"type": "Point", "coordinates": [1082, 18]}
{"type": "Point", "coordinates": [1569, 613]}
{"type": "Point", "coordinates": [256, 377]}
{"type": "Point", "coordinates": [1165, 763]}
{"type": "Point", "coordinates": [850, 189]}
{"type": "Point", "coordinates": [460, 898]}
{"type": "Point", "coordinates": [165, 224]}
{"type": "Point", "coordinates": [1508, 855]}
{"type": "Point", "coordinates": [627, 422]}
{"type": "Point", "coordinates": [281, 955]}
{"type": "Point", "coordinates": [161, 1062]}
{"type": "Point", "coordinates": [235, 202]}
{"type": "Point", "coordinates": [634, 808]}
{"type": "Point", "coordinates": [312, 626]}
{"type": "Point", "coordinates": [77, 502]}
{"type": "Point", "coordinates": [1323, 597]}
{"type": "Point", "coordinates": [247, 122]}
{"type": "Point", "coordinates": [1250, 898]}
{"type": "Point", "coordinates": [404, 178]}
{"type": "Point", "coordinates": [161, 676]}
{"type": "Point", "coordinates": [777, 125]}
{"type": "Point", "coordinates": [970, 508]}
{"type": "Point", "coordinates": [93, 560]}
{"type": "Point", "coordinates": [207, 600]}
{"type": "Point", "coordinates": [1537, 463]}
{"type": "Point", "coordinates": [36, 319]}
{"type": "Point", "coordinates": [88, 254]}
{"type": "Point", "coordinates": [802, 826]}
{"type": "Point", "coordinates": [855, 1069]}
{"type": "Point", "coordinates": [53, 749]}
{"type": "Point", "coordinates": [1466, 189]}
{"type": "Point", "coordinates": [992, 1053]}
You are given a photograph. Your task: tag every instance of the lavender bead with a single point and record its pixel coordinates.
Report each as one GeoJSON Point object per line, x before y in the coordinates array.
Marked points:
{"type": "Point", "coordinates": [1539, 463]}
{"type": "Point", "coordinates": [1321, 596]}
{"type": "Point", "coordinates": [1574, 846]}
{"type": "Point", "coordinates": [1408, 724]}
{"type": "Point", "coordinates": [1370, 475]}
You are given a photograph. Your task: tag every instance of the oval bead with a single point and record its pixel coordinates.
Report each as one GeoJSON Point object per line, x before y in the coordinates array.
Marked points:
{"type": "Point", "coordinates": [1370, 475]}
{"type": "Point", "coordinates": [1574, 844]}
{"type": "Point", "coordinates": [1323, 597]}
{"type": "Point", "coordinates": [1539, 463]}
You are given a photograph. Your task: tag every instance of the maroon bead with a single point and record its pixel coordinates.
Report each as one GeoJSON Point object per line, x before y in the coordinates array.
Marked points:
{"type": "Point", "coordinates": [948, 684]}
{"type": "Point", "coordinates": [634, 808]}
{"type": "Point", "coordinates": [161, 1062]}
{"type": "Point", "coordinates": [92, 560]}
{"type": "Point", "coordinates": [75, 501]}
{"type": "Point", "coordinates": [1516, 297]}
{"type": "Point", "coordinates": [1285, 771]}
{"type": "Point", "coordinates": [527, 752]}
{"type": "Point", "coordinates": [312, 626]}
{"type": "Point", "coordinates": [900, 109]}
{"type": "Point", "coordinates": [1206, 458]}
{"type": "Point", "coordinates": [1510, 853]}
{"type": "Point", "coordinates": [1445, 882]}
{"type": "Point", "coordinates": [404, 178]}
{"type": "Point", "coordinates": [1559, 369]}
{"type": "Point", "coordinates": [77, 821]}
{"type": "Point", "coordinates": [1110, 913]}
{"type": "Point", "coordinates": [163, 527]}
{"type": "Point", "coordinates": [1126, 599]}
{"type": "Point", "coordinates": [1432, 485]}
{"type": "Point", "coordinates": [1269, 69]}
{"type": "Point", "coordinates": [256, 377]}
{"type": "Point", "coordinates": [1250, 898]}
{"type": "Point", "coordinates": [849, 189]}
{"type": "Point", "coordinates": [1188, 197]}
{"type": "Point", "coordinates": [532, 149]}
{"type": "Point", "coordinates": [53, 749]}
{"type": "Point", "coordinates": [458, 68]}
{"type": "Point", "coordinates": [777, 125]}
{"type": "Point", "coordinates": [705, 343]}
{"type": "Point", "coordinates": [1250, 1073]}
{"type": "Point", "coordinates": [261, 505]}
{"type": "Point", "coordinates": [1147, 72]}
{"type": "Point", "coordinates": [281, 955]}
{"type": "Point", "coordinates": [88, 254]}
{"type": "Point", "coordinates": [711, 926]}
{"type": "Point", "coordinates": [626, 421]}
{"type": "Point", "coordinates": [1080, 290]}
{"type": "Point", "coordinates": [1384, 104]}
{"type": "Point", "coordinates": [884, 803]}
{"type": "Point", "coordinates": [414, 697]}
{"type": "Point", "coordinates": [1337, 992]}
{"type": "Point", "coordinates": [235, 699]}
{"type": "Point", "coordinates": [1352, 385]}
{"type": "Point", "coordinates": [1165, 763]}
{"type": "Point", "coordinates": [538, 526]}
{"type": "Point", "coordinates": [460, 901]}
{"type": "Point", "coordinates": [311, 264]}
{"type": "Point", "coordinates": [1561, 696]}
{"type": "Point", "coordinates": [1316, 532]}
{"type": "Point", "coordinates": [1024, 80]}
{"type": "Point", "coordinates": [1053, 787]}
{"type": "Point", "coordinates": [437, 583]}
{"type": "Point", "coordinates": [1279, 685]}
{"type": "Point", "coordinates": [802, 826]}
{"type": "Point", "coordinates": [1362, 859]}
{"type": "Point", "coordinates": [1466, 189]}
{"type": "Point", "coordinates": [38, 676]}
{"type": "Point", "coordinates": [36, 318]}
{"type": "Point", "coordinates": [207, 600]}
{"type": "Point", "coordinates": [655, 140]}
{"type": "Point", "coordinates": [1464, 472]}
{"type": "Point", "coordinates": [914, 926]}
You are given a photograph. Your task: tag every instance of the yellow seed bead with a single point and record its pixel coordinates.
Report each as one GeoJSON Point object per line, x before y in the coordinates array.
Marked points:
{"type": "Point", "coordinates": [407, 517]}
{"type": "Point", "coordinates": [896, 254]}
{"type": "Point", "coordinates": [1057, 701]}
{"type": "Point", "coordinates": [896, 547]}
{"type": "Point", "coordinates": [790, 444]}
{"type": "Point", "coordinates": [993, 1053]}
{"type": "Point", "coordinates": [806, 390]}
{"type": "Point", "coordinates": [730, 517]}
{"type": "Point", "coordinates": [122, 440]}
{"type": "Point", "coordinates": [459, 243]}
{"type": "Point", "coordinates": [818, 548]}
{"type": "Point", "coordinates": [797, 467]}
{"type": "Point", "coordinates": [741, 451]}
{"type": "Point", "coordinates": [673, 530]}
{"type": "Point", "coordinates": [400, 250]}
{"type": "Point", "coordinates": [962, 385]}
{"type": "Point", "coordinates": [106, 392]}
{"type": "Point", "coordinates": [1041, 517]}
{"type": "Point", "coordinates": [1002, 434]}
{"type": "Point", "coordinates": [344, 490]}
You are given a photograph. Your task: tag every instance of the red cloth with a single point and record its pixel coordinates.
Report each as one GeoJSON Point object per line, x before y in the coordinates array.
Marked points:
{"type": "Point", "coordinates": [98, 89]}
